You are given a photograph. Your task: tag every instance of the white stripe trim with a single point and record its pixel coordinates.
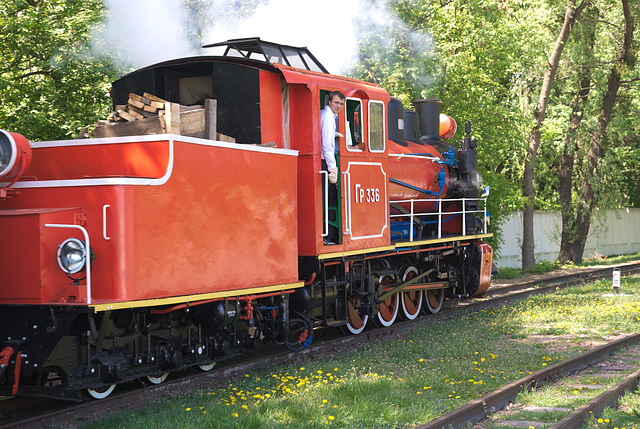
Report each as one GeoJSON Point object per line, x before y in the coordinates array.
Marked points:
{"type": "Point", "coordinates": [162, 137]}
{"type": "Point", "coordinates": [113, 181]}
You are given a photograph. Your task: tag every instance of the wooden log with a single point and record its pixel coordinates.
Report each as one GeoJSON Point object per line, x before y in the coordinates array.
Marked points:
{"type": "Point", "coordinates": [154, 98]}
{"type": "Point", "coordinates": [210, 118]}
{"type": "Point", "coordinates": [142, 112]}
{"type": "Point", "coordinates": [188, 108]}
{"type": "Point", "coordinates": [192, 123]}
{"type": "Point", "coordinates": [224, 138]}
{"type": "Point", "coordinates": [125, 115]}
{"type": "Point", "coordinates": [172, 118]}
{"type": "Point", "coordinates": [144, 126]}
{"type": "Point", "coordinates": [152, 109]}
{"type": "Point", "coordinates": [135, 103]}
{"type": "Point", "coordinates": [135, 114]}
{"type": "Point", "coordinates": [143, 100]}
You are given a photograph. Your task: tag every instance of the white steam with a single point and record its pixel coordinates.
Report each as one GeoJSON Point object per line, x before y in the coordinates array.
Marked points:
{"type": "Point", "coordinates": [141, 32]}
{"type": "Point", "coordinates": [144, 32]}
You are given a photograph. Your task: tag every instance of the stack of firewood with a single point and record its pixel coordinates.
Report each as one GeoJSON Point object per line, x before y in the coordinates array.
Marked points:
{"type": "Point", "coordinates": [138, 107]}
{"type": "Point", "coordinates": [148, 114]}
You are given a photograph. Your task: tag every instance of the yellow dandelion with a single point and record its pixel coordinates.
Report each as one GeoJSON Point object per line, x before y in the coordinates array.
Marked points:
{"type": "Point", "coordinates": [187, 409]}
{"type": "Point", "coordinates": [331, 417]}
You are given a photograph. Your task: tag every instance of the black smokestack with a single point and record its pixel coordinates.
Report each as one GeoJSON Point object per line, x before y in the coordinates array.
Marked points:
{"type": "Point", "coordinates": [429, 112]}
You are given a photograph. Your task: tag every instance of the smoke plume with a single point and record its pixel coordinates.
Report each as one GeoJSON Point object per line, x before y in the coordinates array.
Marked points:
{"type": "Point", "coordinates": [142, 32]}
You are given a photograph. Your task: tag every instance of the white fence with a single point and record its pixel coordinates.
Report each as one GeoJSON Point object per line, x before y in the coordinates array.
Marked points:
{"type": "Point", "coordinates": [616, 232]}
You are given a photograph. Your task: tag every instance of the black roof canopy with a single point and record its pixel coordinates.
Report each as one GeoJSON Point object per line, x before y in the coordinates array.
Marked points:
{"type": "Point", "coordinates": [259, 50]}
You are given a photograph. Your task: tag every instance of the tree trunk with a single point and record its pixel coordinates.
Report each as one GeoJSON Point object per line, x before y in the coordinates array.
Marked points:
{"type": "Point", "coordinates": [567, 159]}
{"type": "Point", "coordinates": [569, 248]}
{"type": "Point", "coordinates": [528, 190]}
{"type": "Point", "coordinates": [597, 140]}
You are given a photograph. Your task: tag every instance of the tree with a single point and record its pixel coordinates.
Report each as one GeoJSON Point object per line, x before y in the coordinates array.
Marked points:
{"type": "Point", "coordinates": [571, 14]}
{"type": "Point", "coordinates": [573, 245]}
{"type": "Point", "coordinates": [50, 83]}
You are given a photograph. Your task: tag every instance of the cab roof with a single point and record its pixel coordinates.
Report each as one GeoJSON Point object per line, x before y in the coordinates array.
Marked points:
{"type": "Point", "coordinates": [253, 48]}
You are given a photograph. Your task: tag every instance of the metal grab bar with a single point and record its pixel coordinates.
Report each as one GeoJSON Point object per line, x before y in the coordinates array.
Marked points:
{"type": "Point", "coordinates": [88, 250]}
{"type": "Point", "coordinates": [104, 222]}
{"type": "Point", "coordinates": [325, 198]}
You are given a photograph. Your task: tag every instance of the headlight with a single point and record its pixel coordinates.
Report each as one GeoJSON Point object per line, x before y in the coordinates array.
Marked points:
{"type": "Point", "coordinates": [15, 155]}
{"type": "Point", "coordinates": [72, 255]}
{"type": "Point", "coordinates": [7, 152]}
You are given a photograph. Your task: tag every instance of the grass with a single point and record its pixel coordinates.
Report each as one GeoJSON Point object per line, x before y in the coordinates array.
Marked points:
{"type": "Point", "coordinates": [507, 273]}
{"type": "Point", "coordinates": [411, 378]}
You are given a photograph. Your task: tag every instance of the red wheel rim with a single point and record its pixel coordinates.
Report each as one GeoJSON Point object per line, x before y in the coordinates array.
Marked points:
{"type": "Point", "coordinates": [356, 322]}
{"type": "Point", "coordinates": [411, 299]}
{"type": "Point", "coordinates": [434, 299]}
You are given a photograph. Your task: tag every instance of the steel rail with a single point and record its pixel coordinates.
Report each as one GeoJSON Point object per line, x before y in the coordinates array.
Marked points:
{"type": "Point", "coordinates": [598, 404]}
{"type": "Point", "coordinates": [478, 409]}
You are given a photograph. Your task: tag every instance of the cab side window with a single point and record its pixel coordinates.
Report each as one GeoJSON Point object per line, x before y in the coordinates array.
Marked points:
{"type": "Point", "coordinates": [376, 126]}
{"type": "Point", "coordinates": [354, 120]}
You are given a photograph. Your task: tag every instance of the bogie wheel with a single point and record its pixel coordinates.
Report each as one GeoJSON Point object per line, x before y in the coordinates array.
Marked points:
{"type": "Point", "coordinates": [207, 366]}
{"type": "Point", "coordinates": [99, 392]}
{"type": "Point", "coordinates": [411, 299]}
{"type": "Point", "coordinates": [157, 379]}
{"type": "Point", "coordinates": [300, 334]}
{"type": "Point", "coordinates": [356, 322]}
{"type": "Point", "coordinates": [388, 308]}
{"type": "Point", "coordinates": [433, 300]}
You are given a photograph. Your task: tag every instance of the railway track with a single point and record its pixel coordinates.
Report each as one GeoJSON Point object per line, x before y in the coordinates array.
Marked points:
{"type": "Point", "coordinates": [482, 408]}
{"type": "Point", "coordinates": [13, 411]}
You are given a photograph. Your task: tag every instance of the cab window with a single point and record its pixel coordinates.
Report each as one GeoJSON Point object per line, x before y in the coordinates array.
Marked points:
{"type": "Point", "coordinates": [376, 126]}
{"type": "Point", "coordinates": [354, 119]}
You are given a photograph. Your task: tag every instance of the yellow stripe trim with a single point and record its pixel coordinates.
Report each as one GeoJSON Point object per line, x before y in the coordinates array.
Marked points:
{"type": "Point", "coordinates": [441, 240]}
{"type": "Point", "coordinates": [355, 252]}
{"type": "Point", "coordinates": [192, 298]}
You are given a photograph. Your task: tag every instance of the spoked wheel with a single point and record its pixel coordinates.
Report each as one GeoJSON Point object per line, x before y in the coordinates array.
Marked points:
{"type": "Point", "coordinates": [157, 379]}
{"type": "Point", "coordinates": [388, 311]}
{"type": "Point", "coordinates": [411, 303]}
{"type": "Point", "coordinates": [356, 322]}
{"type": "Point", "coordinates": [411, 299]}
{"type": "Point", "coordinates": [99, 392]}
{"type": "Point", "coordinates": [433, 299]}
{"type": "Point", "coordinates": [300, 334]}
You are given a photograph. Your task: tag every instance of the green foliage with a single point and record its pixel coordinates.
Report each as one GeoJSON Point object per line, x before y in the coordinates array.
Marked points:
{"type": "Point", "coordinates": [486, 72]}
{"type": "Point", "coordinates": [50, 84]}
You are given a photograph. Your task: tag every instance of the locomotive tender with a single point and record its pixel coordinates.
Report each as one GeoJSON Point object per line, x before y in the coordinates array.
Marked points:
{"type": "Point", "coordinates": [130, 257]}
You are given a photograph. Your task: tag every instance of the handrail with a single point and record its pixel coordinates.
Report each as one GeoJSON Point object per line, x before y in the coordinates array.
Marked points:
{"type": "Point", "coordinates": [326, 203]}
{"type": "Point", "coordinates": [104, 222]}
{"type": "Point", "coordinates": [439, 213]}
{"type": "Point", "coordinates": [88, 250]}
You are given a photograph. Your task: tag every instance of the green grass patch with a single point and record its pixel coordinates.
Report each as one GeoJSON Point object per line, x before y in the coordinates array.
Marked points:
{"type": "Point", "coordinates": [543, 267]}
{"type": "Point", "coordinates": [411, 378]}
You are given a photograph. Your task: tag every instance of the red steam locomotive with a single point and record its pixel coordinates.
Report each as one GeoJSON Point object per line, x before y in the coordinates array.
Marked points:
{"type": "Point", "coordinates": [130, 257]}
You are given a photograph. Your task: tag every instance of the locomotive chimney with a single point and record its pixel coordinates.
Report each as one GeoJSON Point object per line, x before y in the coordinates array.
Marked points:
{"type": "Point", "coordinates": [429, 112]}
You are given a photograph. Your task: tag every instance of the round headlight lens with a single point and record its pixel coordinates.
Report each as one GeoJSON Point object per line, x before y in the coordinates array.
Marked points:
{"type": "Point", "coordinates": [7, 152]}
{"type": "Point", "coordinates": [72, 255]}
